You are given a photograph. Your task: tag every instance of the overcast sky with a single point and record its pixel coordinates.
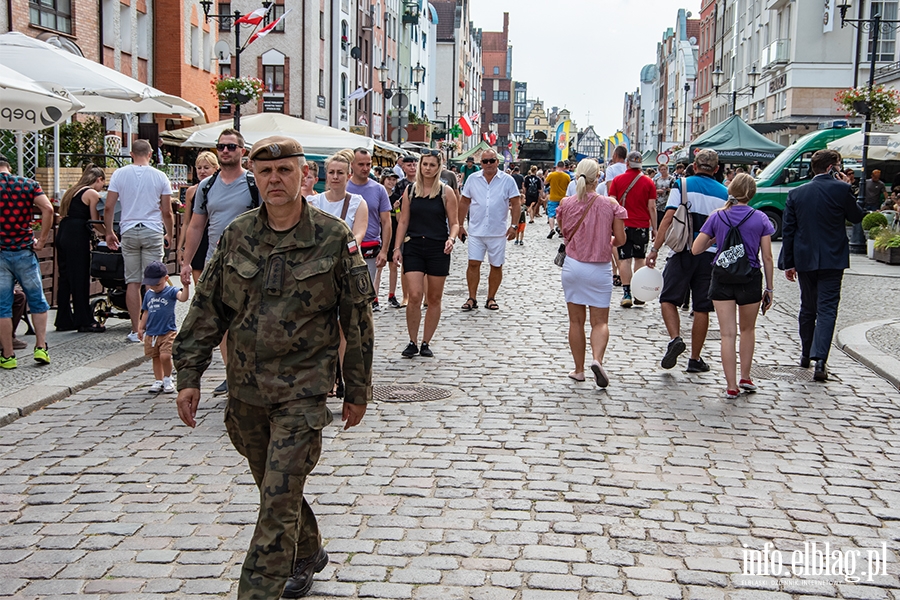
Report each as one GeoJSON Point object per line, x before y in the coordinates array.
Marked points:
{"type": "Point", "coordinates": [583, 55]}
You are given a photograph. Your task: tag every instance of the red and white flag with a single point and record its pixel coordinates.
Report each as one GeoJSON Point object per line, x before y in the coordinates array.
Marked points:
{"type": "Point", "coordinates": [265, 30]}
{"type": "Point", "coordinates": [465, 123]}
{"type": "Point", "coordinates": [254, 18]}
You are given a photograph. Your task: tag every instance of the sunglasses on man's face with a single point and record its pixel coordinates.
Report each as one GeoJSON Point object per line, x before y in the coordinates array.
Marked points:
{"type": "Point", "coordinates": [488, 161]}
{"type": "Point", "coordinates": [229, 147]}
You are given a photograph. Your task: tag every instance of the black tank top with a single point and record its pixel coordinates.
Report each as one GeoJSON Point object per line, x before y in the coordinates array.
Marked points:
{"type": "Point", "coordinates": [427, 217]}
{"type": "Point", "coordinates": [77, 208]}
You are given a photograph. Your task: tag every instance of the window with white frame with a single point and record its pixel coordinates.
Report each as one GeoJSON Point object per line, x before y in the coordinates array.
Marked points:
{"type": "Point", "coordinates": [887, 37]}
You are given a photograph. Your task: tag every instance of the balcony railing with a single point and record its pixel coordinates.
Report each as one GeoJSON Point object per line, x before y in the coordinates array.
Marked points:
{"type": "Point", "coordinates": [887, 72]}
{"type": "Point", "coordinates": [776, 53]}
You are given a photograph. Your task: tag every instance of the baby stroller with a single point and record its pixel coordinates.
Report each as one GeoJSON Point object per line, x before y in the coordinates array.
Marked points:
{"type": "Point", "coordinates": [108, 267]}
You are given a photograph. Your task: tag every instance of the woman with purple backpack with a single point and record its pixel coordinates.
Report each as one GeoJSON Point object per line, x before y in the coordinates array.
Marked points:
{"type": "Point", "coordinates": [739, 232]}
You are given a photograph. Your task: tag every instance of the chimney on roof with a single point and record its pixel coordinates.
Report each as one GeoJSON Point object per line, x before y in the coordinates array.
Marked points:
{"type": "Point", "coordinates": [505, 23]}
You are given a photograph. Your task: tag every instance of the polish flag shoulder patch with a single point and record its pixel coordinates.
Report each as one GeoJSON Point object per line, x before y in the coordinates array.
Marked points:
{"type": "Point", "coordinates": [352, 248]}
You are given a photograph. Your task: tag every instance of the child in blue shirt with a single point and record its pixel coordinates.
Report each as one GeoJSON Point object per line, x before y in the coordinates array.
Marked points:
{"type": "Point", "coordinates": [157, 327]}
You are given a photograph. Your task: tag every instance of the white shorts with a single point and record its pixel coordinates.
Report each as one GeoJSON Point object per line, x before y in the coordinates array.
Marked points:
{"type": "Point", "coordinates": [494, 245]}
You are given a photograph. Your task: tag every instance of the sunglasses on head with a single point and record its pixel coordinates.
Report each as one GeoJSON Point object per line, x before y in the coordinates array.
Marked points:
{"type": "Point", "coordinates": [229, 147]}
{"type": "Point", "coordinates": [431, 153]}
{"type": "Point", "coordinates": [488, 161]}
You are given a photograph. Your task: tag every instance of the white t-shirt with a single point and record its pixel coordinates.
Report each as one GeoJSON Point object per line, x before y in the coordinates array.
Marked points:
{"type": "Point", "coordinates": [614, 170]}
{"type": "Point", "coordinates": [573, 188]}
{"type": "Point", "coordinates": [335, 208]}
{"type": "Point", "coordinates": [489, 211]}
{"type": "Point", "coordinates": [140, 188]}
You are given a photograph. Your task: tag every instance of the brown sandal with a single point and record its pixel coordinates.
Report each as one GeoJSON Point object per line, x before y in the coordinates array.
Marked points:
{"type": "Point", "coordinates": [470, 304]}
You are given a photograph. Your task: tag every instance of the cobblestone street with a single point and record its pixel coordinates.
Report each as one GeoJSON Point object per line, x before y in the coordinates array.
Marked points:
{"type": "Point", "coordinates": [517, 484]}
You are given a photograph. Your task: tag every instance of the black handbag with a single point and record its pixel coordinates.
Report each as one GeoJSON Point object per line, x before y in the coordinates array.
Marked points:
{"type": "Point", "coordinates": [107, 265]}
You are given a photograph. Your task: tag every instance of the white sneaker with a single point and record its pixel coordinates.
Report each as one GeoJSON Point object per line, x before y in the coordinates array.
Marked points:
{"type": "Point", "coordinates": [168, 387]}
{"type": "Point", "coordinates": [156, 388]}
{"type": "Point", "coordinates": [133, 337]}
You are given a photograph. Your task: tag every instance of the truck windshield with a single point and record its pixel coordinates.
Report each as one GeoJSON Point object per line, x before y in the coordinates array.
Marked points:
{"type": "Point", "coordinates": [775, 167]}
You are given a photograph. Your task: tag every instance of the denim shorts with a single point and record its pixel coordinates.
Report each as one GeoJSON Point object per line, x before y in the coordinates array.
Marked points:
{"type": "Point", "coordinates": [21, 266]}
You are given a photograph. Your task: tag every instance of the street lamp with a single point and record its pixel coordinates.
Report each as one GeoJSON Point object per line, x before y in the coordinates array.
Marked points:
{"type": "Point", "coordinates": [437, 104]}
{"type": "Point", "coordinates": [698, 116]}
{"type": "Point", "coordinates": [875, 26]}
{"type": "Point", "coordinates": [402, 100]}
{"type": "Point", "coordinates": [687, 88]}
{"type": "Point", "coordinates": [752, 78]}
{"type": "Point", "coordinates": [232, 21]}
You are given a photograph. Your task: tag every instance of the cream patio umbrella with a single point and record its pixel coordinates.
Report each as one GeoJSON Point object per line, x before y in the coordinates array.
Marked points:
{"type": "Point", "coordinates": [882, 146]}
{"type": "Point", "coordinates": [27, 105]}
{"type": "Point", "coordinates": [99, 88]}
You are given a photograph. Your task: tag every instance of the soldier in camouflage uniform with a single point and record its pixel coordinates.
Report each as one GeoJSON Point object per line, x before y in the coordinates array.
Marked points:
{"type": "Point", "coordinates": [279, 279]}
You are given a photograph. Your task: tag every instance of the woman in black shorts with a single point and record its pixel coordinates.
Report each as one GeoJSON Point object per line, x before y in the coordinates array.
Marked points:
{"type": "Point", "coordinates": [427, 229]}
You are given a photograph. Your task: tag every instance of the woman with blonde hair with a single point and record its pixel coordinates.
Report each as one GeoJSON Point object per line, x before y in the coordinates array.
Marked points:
{"type": "Point", "coordinates": [591, 224]}
{"type": "Point", "coordinates": [738, 292]}
{"type": "Point", "coordinates": [350, 208]}
{"type": "Point", "coordinates": [429, 225]}
{"type": "Point", "coordinates": [206, 164]}
{"type": "Point", "coordinates": [336, 201]}
{"type": "Point", "coordinates": [73, 256]}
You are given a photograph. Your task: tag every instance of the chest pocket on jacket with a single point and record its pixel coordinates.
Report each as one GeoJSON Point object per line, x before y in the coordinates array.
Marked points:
{"type": "Point", "coordinates": [315, 289]}
{"type": "Point", "coordinates": [239, 281]}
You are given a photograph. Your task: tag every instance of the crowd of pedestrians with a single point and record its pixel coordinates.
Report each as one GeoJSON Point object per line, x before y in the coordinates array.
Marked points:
{"type": "Point", "coordinates": [287, 295]}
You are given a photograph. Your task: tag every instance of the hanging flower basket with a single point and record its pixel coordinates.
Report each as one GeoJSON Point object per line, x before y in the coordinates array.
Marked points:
{"type": "Point", "coordinates": [879, 103]}
{"type": "Point", "coordinates": [239, 90]}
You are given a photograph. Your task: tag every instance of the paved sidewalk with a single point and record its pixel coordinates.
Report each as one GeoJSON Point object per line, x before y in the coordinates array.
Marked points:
{"type": "Point", "coordinates": [519, 484]}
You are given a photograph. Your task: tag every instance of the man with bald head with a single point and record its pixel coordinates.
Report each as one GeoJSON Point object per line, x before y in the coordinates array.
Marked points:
{"type": "Point", "coordinates": [488, 197]}
{"type": "Point", "coordinates": [277, 282]}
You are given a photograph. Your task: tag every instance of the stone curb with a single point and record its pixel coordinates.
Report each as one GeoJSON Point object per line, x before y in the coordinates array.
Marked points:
{"type": "Point", "coordinates": [56, 388]}
{"type": "Point", "coordinates": [854, 342]}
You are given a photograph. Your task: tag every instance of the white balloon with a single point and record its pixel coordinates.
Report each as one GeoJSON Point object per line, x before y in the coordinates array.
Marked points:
{"type": "Point", "coordinates": [646, 284]}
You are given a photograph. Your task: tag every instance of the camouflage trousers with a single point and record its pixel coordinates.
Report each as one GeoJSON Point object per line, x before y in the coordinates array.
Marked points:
{"type": "Point", "coordinates": [282, 443]}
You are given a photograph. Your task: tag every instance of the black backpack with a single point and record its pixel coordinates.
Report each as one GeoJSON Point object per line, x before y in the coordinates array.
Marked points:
{"type": "Point", "coordinates": [534, 186]}
{"type": "Point", "coordinates": [251, 185]}
{"type": "Point", "coordinates": [732, 265]}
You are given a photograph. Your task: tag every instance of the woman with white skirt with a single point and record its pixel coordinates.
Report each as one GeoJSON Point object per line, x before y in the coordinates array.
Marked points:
{"type": "Point", "coordinates": [591, 225]}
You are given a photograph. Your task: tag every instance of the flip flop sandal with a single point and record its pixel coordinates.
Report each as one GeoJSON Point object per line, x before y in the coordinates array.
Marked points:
{"type": "Point", "coordinates": [576, 376]}
{"type": "Point", "coordinates": [617, 281]}
{"type": "Point", "coordinates": [491, 304]}
{"type": "Point", "coordinates": [470, 304]}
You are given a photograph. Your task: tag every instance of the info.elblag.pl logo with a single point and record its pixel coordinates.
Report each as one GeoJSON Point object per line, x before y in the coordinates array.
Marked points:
{"type": "Point", "coordinates": [816, 560]}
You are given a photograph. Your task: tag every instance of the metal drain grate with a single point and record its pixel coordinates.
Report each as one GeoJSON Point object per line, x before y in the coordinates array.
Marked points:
{"type": "Point", "coordinates": [782, 373]}
{"type": "Point", "coordinates": [712, 334]}
{"type": "Point", "coordinates": [408, 393]}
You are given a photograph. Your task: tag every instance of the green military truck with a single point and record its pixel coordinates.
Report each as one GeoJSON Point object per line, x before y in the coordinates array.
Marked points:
{"type": "Point", "coordinates": [791, 169]}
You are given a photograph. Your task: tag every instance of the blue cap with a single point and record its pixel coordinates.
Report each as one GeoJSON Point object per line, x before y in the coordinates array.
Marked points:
{"type": "Point", "coordinates": [154, 272]}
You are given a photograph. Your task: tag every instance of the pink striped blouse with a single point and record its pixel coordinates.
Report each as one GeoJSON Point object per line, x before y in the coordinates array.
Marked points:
{"type": "Point", "coordinates": [593, 240]}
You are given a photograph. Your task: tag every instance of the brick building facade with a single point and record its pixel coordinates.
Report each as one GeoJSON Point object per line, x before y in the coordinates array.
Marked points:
{"type": "Point", "coordinates": [496, 88]}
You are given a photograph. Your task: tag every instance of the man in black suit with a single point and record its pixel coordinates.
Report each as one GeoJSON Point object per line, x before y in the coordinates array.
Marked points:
{"type": "Point", "coordinates": [815, 251]}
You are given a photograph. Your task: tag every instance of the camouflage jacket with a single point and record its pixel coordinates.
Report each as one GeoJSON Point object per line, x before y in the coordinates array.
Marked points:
{"type": "Point", "coordinates": [279, 296]}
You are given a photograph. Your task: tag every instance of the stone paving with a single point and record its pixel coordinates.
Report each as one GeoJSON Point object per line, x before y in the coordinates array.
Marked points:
{"type": "Point", "coordinates": [521, 485]}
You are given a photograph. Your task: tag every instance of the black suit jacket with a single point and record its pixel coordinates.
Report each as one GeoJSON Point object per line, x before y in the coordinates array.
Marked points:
{"type": "Point", "coordinates": [814, 233]}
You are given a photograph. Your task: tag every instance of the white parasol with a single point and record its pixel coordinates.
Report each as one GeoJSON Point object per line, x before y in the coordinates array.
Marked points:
{"type": "Point", "coordinates": [28, 105]}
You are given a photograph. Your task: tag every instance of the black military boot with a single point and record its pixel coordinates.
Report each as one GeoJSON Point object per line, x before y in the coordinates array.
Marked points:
{"type": "Point", "coordinates": [299, 583]}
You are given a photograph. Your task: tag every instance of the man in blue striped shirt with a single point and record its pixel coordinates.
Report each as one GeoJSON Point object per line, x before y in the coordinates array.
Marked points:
{"type": "Point", "coordinates": [685, 271]}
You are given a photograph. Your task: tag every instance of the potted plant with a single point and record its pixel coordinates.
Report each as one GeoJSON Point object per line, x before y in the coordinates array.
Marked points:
{"type": "Point", "coordinates": [239, 90]}
{"type": "Point", "coordinates": [872, 224]}
{"type": "Point", "coordinates": [878, 103]}
{"type": "Point", "coordinates": [887, 247]}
